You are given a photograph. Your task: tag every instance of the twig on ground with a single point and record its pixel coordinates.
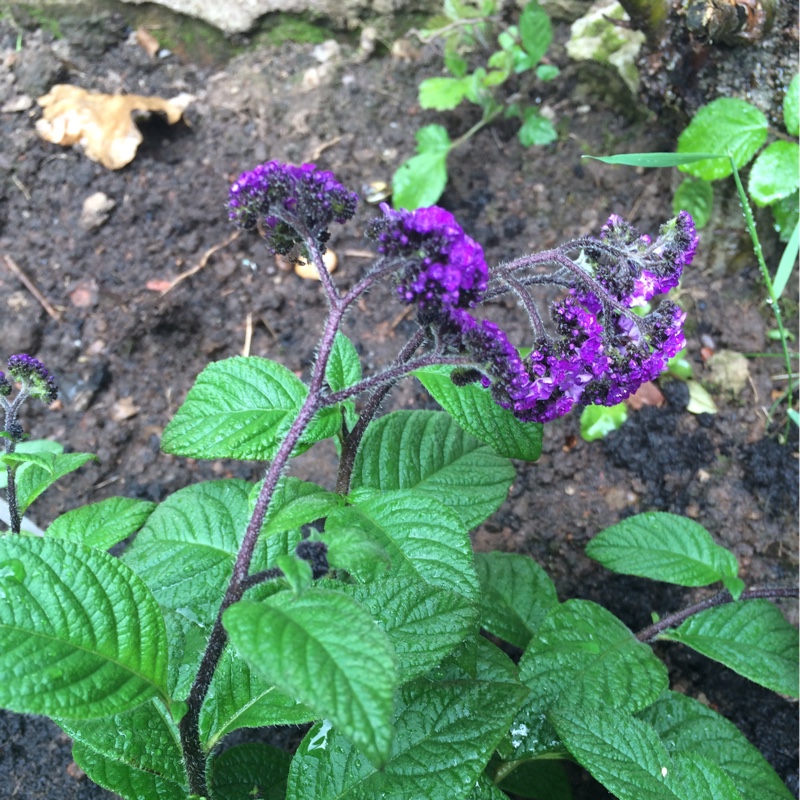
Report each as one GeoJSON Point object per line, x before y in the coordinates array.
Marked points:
{"type": "Point", "coordinates": [203, 261]}
{"type": "Point", "coordinates": [31, 287]}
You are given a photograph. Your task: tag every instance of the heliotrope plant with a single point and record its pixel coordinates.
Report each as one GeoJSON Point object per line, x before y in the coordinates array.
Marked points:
{"type": "Point", "coordinates": [360, 610]}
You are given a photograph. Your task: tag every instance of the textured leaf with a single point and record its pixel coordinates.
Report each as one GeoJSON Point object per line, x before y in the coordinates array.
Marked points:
{"type": "Point", "coordinates": [540, 780]}
{"type": "Point", "coordinates": [474, 410]}
{"type": "Point", "coordinates": [80, 634]}
{"type": "Point", "coordinates": [445, 733]}
{"type": "Point", "coordinates": [622, 753]}
{"type": "Point", "coordinates": [428, 453]}
{"type": "Point", "coordinates": [484, 789]}
{"type": "Point", "coordinates": [535, 30]}
{"type": "Point", "coordinates": [240, 698]}
{"type": "Point", "coordinates": [728, 126]}
{"type": "Point", "coordinates": [325, 650]}
{"type": "Point", "coordinates": [442, 94]}
{"type": "Point", "coordinates": [355, 551]}
{"type": "Point", "coordinates": [697, 778]}
{"type": "Point", "coordinates": [344, 366]}
{"type": "Point", "coordinates": [516, 595]}
{"type": "Point", "coordinates": [696, 197]}
{"type": "Point", "coordinates": [42, 470]}
{"type": "Point", "coordinates": [774, 173]}
{"type": "Point", "coordinates": [751, 637]}
{"type": "Point", "coordinates": [663, 547]}
{"type": "Point", "coordinates": [582, 657]}
{"type": "Point", "coordinates": [241, 408]}
{"type": "Point", "coordinates": [249, 771]}
{"type": "Point", "coordinates": [536, 129]}
{"type": "Point", "coordinates": [420, 181]}
{"type": "Point", "coordinates": [136, 754]}
{"type": "Point", "coordinates": [687, 727]}
{"type": "Point", "coordinates": [31, 446]}
{"type": "Point", "coordinates": [424, 540]}
{"type": "Point", "coordinates": [791, 107]}
{"type": "Point", "coordinates": [103, 524]}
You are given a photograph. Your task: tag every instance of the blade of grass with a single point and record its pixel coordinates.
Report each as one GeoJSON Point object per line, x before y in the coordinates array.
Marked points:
{"type": "Point", "coordinates": [655, 159]}
{"type": "Point", "coordinates": [787, 262]}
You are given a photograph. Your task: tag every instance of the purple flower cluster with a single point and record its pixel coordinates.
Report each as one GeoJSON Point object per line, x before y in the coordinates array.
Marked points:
{"type": "Point", "coordinates": [602, 351]}
{"type": "Point", "coordinates": [33, 376]}
{"type": "Point", "coordinates": [444, 267]}
{"type": "Point", "coordinates": [287, 203]}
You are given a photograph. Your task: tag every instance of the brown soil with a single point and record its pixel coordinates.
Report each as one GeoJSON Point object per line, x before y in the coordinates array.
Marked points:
{"type": "Point", "coordinates": [118, 344]}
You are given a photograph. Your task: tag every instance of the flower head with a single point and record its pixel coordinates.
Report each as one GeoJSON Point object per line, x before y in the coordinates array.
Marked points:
{"type": "Point", "coordinates": [445, 267]}
{"type": "Point", "coordinates": [287, 203]}
{"type": "Point", "coordinates": [33, 376]}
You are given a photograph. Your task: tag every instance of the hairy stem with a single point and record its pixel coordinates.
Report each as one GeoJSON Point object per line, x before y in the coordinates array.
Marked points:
{"type": "Point", "coordinates": [721, 598]}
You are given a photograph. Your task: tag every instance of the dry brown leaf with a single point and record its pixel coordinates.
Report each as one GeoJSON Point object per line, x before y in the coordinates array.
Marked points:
{"type": "Point", "coordinates": [123, 409]}
{"type": "Point", "coordinates": [648, 394]}
{"type": "Point", "coordinates": [147, 41]}
{"type": "Point", "coordinates": [101, 123]}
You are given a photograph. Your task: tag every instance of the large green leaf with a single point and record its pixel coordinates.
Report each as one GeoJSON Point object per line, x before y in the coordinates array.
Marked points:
{"type": "Point", "coordinates": [445, 732]}
{"type": "Point", "coordinates": [751, 637]}
{"type": "Point", "coordinates": [582, 657]}
{"type": "Point", "coordinates": [516, 595]}
{"type": "Point", "coordinates": [81, 636]}
{"type": "Point", "coordinates": [474, 410]}
{"type": "Point", "coordinates": [424, 539]}
{"type": "Point", "coordinates": [36, 471]}
{"type": "Point", "coordinates": [420, 181]}
{"type": "Point", "coordinates": [103, 524]}
{"type": "Point", "coordinates": [136, 754]}
{"type": "Point", "coordinates": [442, 94]}
{"type": "Point", "coordinates": [535, 30]}
{"type": "Point", "coordinates": [774, 173]}
{"type": "Point", "coordinates": [241, 408]}
{"type": "Point", "coordinates": [690, 728]}
{"type": "Point", "coordinates": [240, 698]}
{"type": "Point", "coordinates": [697, 778]}
{"type": "Point", "coordinates": [728, 126]}
{"type": "Point", "coordinates": [31, 446]}
{"type": "Point", "coordinates": [428, 453]}
{"type": "Point", "coordinates": [325, 650]}
{"type": "Point", "coordinates": [622, 753]}
{"type": "Point", "coordinates": [249, 771]}
{"type": "Point", "coordinates": [663, 547]}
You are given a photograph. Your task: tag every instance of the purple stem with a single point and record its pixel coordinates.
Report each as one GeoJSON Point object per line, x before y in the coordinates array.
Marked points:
{"type": "Point", "coordinates": [530, 307]}
{"type": "Point", "coordinates": [721, 598]}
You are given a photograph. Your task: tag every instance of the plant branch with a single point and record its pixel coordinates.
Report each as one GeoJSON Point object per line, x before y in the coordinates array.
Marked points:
{"type": "Point", "coordinates": [721, 598]}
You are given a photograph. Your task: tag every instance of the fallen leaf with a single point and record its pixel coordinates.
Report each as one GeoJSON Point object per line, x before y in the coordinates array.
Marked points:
{"type": "Point", "coordinates": [123, 409]}
{"type": "Point", "coordinates": [101, 123]}
{"type": "Point", "coordinates": [20, 103]}
{"type": "Point", "coordinates": [158, 285]}
{"type": "Point", "coordinates": [648, 394]}
{"type": "Point", "coordinates": [147, 41]}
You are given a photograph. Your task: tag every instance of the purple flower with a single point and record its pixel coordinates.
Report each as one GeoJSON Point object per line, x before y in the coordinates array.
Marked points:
{"type": "Point", "coordinates": [288, 203]}
{"type": "Point", "coordinates": [445, 269]}
{"type": "Point", "coordinates": [33, 376]}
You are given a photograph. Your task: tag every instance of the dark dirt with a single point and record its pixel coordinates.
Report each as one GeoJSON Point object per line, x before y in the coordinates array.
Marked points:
{"type": "Point", "coordinates": [118, 345]}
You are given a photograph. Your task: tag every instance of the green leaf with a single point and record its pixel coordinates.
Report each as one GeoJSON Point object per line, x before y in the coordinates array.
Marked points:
{"type": "Point", "coordinates": [696, 197]}
{"type": "Point", "coordinates": [103, 524]}
{"type": "Point", "coordinates": [539, 779]}
{"type": "Point", "coordinates": [700, 401]}
{"type": "Point", "coordinates": [786, 266]}
{"type": "Point", "coordinates": [728, 126]}
{"type": "Point", "coordinates": [622, 753]}
{"type": "Point", "coordinates": [136, 754]}
{"type": "Point", "coordinates": [484, 789]}
{"type": "Point", "coordinates": [420, 181]}
{"type": "Point", "coordinates": [791, 107]}
{"type": "Point", "coordinates": [785, 214]}
{"type": "Point", "coordinates": [516, 595]}
{"type": "Point", "coordinates": [547, 72]}
{"type": "Point", "coordinates": [249, 771]}
{"type": "Point", "coordinates": [445, 733]}
{"type": "Point", "coordinates": [455, 64]}
{"type": "Point", "coordinates": [428, 453]}
{"type": "Point", "coordinates": [582, 657]}
{"type": "Point", "coordinates": [687, 727]}
{"type": "Point", "coordinates": [240, 698]}
{"type": "Point", "coordinates": [474, 410]}
{"type": "Point", "coordinates": [31, 446]}
{"type": "Point", "coordinates": [442, 94]}
{"type": "Point", "coordinates": [751, 637]}
{"type": "Point", "coordinates": [344, 365]}
{"type": "Point", "coordinates": [297, 573]}
{"type": "Point", "coordinates": [424, 623]}
{"type": "Point", "coordinates": [325, 650]}
{"type": "Point", "coordinates": [425, 540]}
{"type": "Point", "coordinates": [241, 408]}
{"type": "Point", "coordinates": [80, 634]}
{"type": "Point", "coordinates": [657, 160]}
{"type": "Point", "coordinates": [663, 547]}
{"type": "Point", "coordinates": [535, 30]}
{"type": "Point", "coordinates": [697, 778]}
{"type": "Point", "coordinates": [598, 421]}
{"type": "Point", "coordinates": [536, 129]}
{"type": "Point", "coordinates": [40, 470]}
{"type": "Point", "coordinates": [355, 551]}
{"type": "Point", "coordinates": [774, 174]}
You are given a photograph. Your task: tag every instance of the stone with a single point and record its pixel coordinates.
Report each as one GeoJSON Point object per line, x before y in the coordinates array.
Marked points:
{"type": "Point", "coordinates": [96, 209]}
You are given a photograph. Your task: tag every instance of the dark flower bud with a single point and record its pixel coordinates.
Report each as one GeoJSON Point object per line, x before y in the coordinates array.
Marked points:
{"type": "Point", "coordinates": [316, 553]}
{"type": "Point", "coordinates": [34, 377]}
{"type": "Point", "coordinates": [5, 385]}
